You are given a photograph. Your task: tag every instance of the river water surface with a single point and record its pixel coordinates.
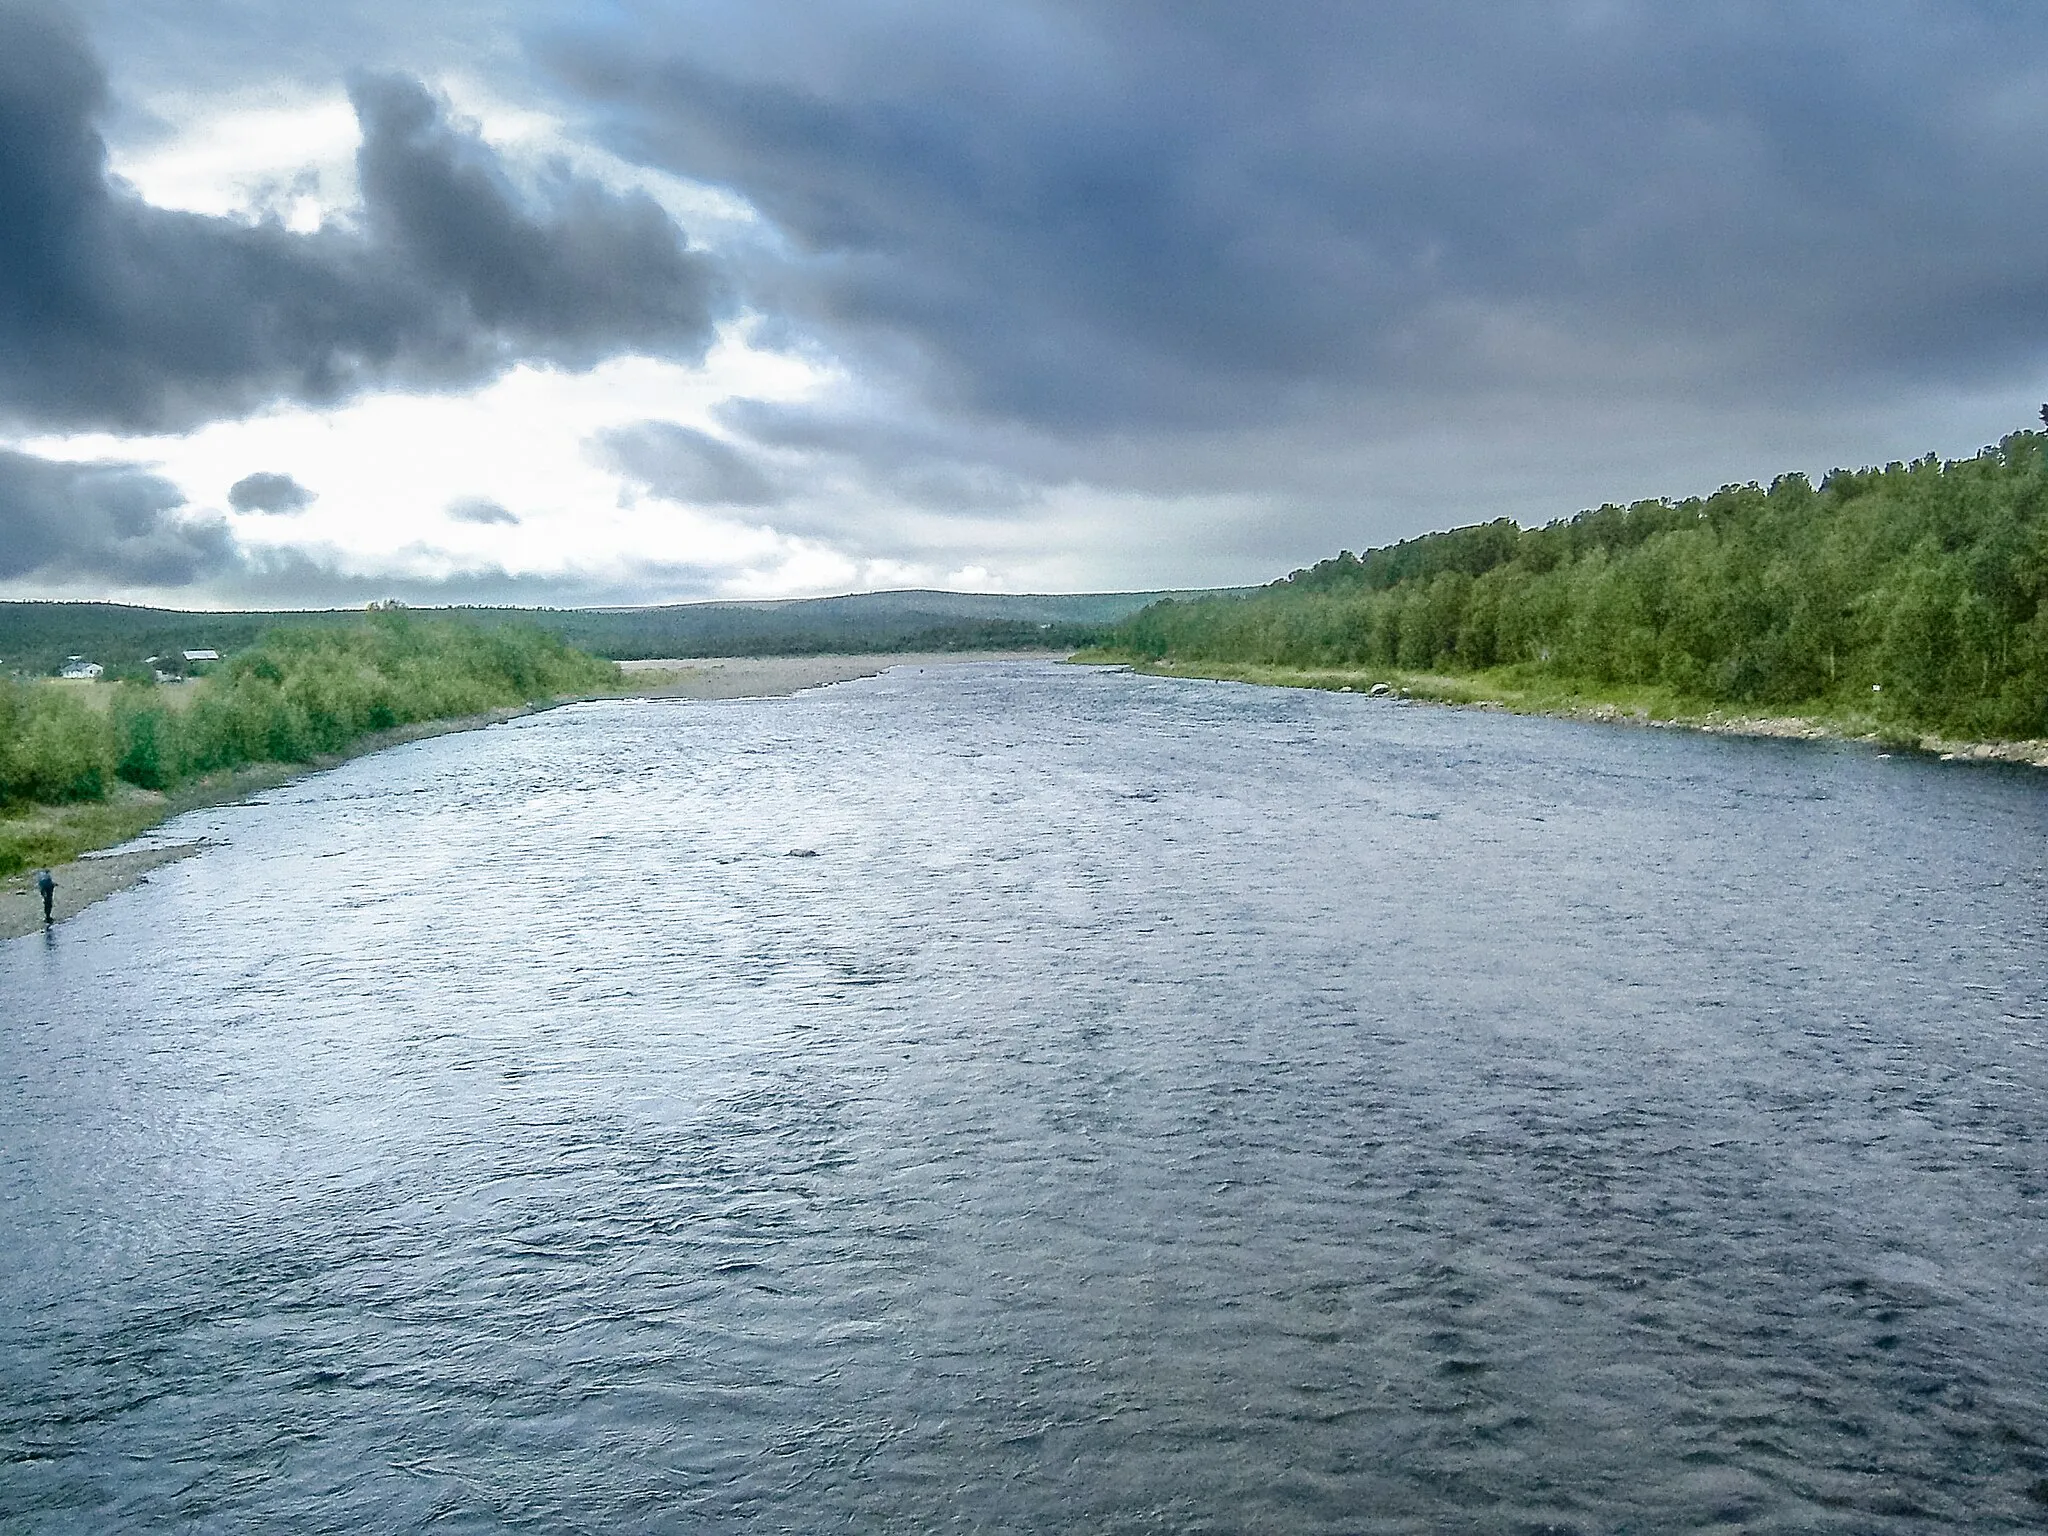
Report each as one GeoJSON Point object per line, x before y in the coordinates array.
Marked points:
{"type": "Point", "coordinates": [1019, 1098]}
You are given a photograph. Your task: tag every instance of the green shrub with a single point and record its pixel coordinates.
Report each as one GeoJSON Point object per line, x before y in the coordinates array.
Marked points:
{"type": "Point", "coordinates": [52, 747]}
{"type": "Point", "coordinates": [304, 692]}
{"type": "Point", "coordinates": [294, 696]}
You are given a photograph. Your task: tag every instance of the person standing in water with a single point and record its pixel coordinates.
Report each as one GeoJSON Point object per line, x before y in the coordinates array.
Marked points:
{"type": "Point", "coordinates": [48, 887]}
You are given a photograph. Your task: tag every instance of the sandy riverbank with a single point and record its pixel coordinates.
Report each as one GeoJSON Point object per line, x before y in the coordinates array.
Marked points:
{"type": "Point", "coordinates": [768, 677]}
{"type": "Point", "coordinates": [81, 883]}
{"type": "Point", "coordinates": [94, 876]}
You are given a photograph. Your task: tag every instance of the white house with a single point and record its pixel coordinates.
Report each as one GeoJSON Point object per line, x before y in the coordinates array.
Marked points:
{"type": "Point", "coordinates": [192, 656]}
{"type": "Point", "coordinates": [78, 669]}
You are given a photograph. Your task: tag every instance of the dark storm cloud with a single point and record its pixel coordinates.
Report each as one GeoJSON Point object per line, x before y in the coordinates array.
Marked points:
{"type": "Point", "coordinates": [587, 274]}
{"type": "Point", "coordinates": [116, 313]}
{"type": "Point", "coordinates": [1104, 217]}
{"type": "Point", "coordinates": [265, 491]}
{"type": "Point", "coordinates": [683, 464]}
{"type": "Point", "coordinates": [111, 523]}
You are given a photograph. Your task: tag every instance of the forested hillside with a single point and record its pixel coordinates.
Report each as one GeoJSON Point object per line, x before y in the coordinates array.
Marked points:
{"type": "Point", "coordinates": [36, 637]}
{"type": "Point", "coordinates": [1913, 593]}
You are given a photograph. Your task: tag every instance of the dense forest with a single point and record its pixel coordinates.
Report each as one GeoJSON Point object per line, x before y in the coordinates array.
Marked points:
{"type": "Point", "coordinates": [1913, 594]}
{"type": "Point", "coordinates": [298, 694]}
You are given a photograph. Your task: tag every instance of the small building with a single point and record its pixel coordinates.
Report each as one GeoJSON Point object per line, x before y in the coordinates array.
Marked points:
{"type": "Point", "coordinates": [78, 670]}
{"type": "Point", "coordinates": [197, 656]}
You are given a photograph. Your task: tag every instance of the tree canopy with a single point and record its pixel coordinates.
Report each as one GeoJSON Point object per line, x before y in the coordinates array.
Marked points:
{"type": "Point", "coordinates": [1915, 591]}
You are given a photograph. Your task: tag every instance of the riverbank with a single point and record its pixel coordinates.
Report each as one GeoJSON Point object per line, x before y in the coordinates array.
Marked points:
{"type": "Point", "coordinates": [68, 839]}
{"type": "Point", "coordinates": [769, 677]}
{"type": "Point", "coordinates": [1655, 708]}
{"type": "Point", "coordinates": [81, 883]}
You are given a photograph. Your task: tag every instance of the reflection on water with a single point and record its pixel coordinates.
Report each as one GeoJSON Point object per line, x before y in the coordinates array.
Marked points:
{"type": "Point", "coordinates": [1157, 1106]}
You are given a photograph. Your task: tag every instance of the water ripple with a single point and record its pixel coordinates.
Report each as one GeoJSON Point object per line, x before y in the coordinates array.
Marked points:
{"type": "Point", "coordinates": [1141, 1105]}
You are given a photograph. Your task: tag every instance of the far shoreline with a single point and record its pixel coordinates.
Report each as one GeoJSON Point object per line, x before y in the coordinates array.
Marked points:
{"type": "Point", "coordinates": [113, 866]}
{"type": "Point", "coordinates": [1642, 707]}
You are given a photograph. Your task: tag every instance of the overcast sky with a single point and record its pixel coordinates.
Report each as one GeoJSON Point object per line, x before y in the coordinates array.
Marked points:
{"type": "Point", "coordinates": [306, 305]}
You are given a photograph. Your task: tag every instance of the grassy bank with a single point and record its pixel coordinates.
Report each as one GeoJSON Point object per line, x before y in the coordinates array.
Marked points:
{"type": "Point", "coordinates": [78, 774]}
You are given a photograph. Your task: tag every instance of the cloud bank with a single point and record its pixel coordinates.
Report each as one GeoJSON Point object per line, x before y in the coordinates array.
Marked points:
{"type": "Point", "coordinates": [1167, 215]}
{"type": "Point", "coordinates": [117, 314]}
{"type": "Point", "coordinates": [1078, 295]}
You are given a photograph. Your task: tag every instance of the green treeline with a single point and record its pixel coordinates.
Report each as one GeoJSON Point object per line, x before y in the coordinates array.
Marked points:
{"type": "Point", "coordinates": [37, 637]}
{"type": "Point", "coordinates": [1914, 593]}
{"type": "Point", "coordinates": [297, 694]}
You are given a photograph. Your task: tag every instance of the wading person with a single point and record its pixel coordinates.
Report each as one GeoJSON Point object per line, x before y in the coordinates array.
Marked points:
{"type": "Point", "coordinates": [48, 887]}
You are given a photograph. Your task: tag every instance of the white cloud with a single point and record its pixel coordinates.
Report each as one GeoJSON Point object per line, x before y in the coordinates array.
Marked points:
{"type": "Point", "coordinates": [280, 148]}
{"type": "Point", "coordinates": [272, 149]}
{"type": "Point", "coordinates": [387, 468]}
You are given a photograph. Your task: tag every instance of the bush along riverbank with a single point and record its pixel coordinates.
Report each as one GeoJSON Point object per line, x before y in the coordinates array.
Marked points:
{"type": "Point", "coordinates": [75, 777]}
{"type": "Point", "coordinates": [1906, 604]}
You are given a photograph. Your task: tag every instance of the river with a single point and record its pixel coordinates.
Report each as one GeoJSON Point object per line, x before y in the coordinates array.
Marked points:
{"type": "Point", "coordinates": [1012, 1097]}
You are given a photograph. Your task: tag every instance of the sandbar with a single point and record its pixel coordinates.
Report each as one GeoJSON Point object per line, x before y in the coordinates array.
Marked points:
{"type": "Point", "coordinates": [772, 677]}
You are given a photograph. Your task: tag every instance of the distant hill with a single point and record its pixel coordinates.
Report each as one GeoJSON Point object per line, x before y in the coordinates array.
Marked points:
{"type": "Point", "coordinates": [35, 637]}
